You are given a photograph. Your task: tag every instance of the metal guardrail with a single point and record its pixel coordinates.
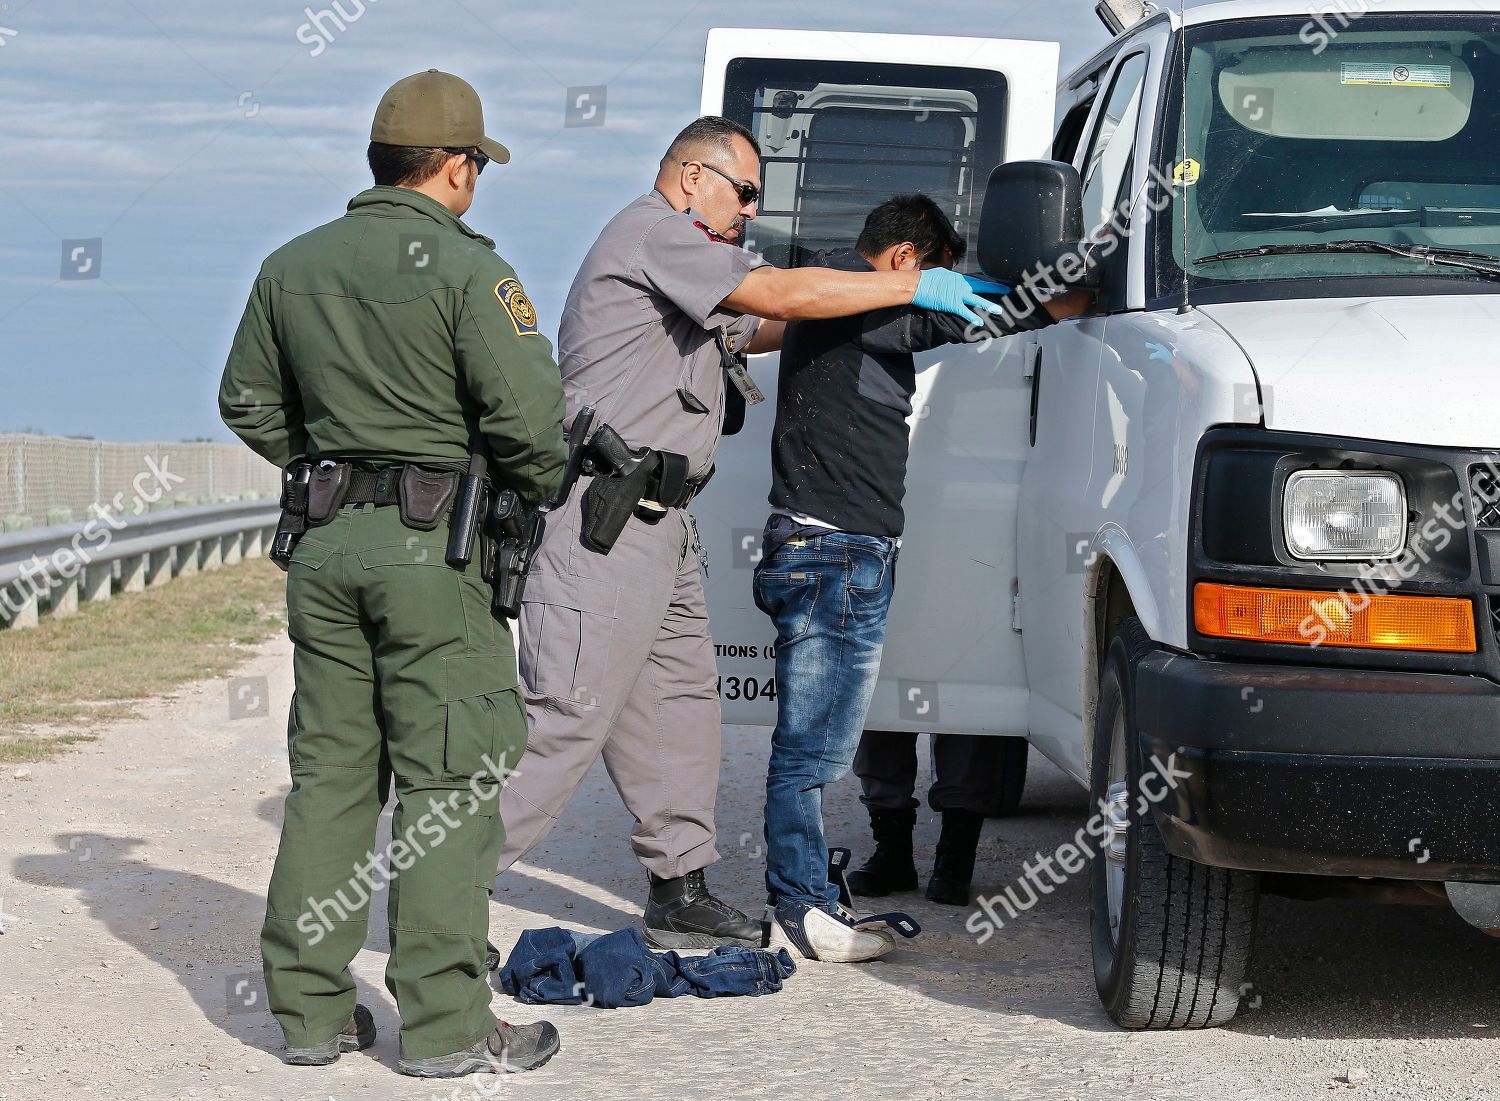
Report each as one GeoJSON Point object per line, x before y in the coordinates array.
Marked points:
{"type": "Point", "coordinates": [54, 480]}
{"type": "Point", "coordinates": [50, 570]}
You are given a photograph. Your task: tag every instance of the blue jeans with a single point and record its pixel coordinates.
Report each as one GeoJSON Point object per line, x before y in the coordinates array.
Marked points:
{"type": "Point", "coordinates": [828, 596]}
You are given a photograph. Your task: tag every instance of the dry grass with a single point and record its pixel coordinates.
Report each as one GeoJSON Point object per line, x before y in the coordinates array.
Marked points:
{"type": "Point", "coordinates": [100, 663]}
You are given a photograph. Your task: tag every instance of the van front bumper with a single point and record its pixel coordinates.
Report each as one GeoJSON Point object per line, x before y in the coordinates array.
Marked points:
{"type": "Point", "coordinates": [1325, 771]}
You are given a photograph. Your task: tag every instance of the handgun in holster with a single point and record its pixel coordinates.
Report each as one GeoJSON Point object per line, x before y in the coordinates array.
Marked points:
{"type": "Point", "coordinates": [516, 532]}
{"type": "Point", "coordinates": [621, 478]}
{"type": "Point", "coordinates": [513, 532]}
{"type": "Point", "coordinates": [296, 476]}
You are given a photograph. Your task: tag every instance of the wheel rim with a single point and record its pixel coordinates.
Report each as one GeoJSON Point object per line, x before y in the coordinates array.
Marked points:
{"type": "Point", "coordinates": [1117, 827]}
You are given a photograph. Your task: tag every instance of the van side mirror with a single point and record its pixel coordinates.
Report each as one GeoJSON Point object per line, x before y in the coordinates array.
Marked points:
{"type": "Point", "coordinates": [1033, 215]}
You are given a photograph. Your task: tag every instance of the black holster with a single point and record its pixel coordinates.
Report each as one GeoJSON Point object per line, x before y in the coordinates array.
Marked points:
{"type": "Point", "coordinates": [660, 477]}
{"type": "Point", "coordinates": [610, 502]}
{"type": "Point", "coordinates": [295, 477]}
{"type": "Point", "coordinates": [512, 532]}
{"type": "Point", "coordinates": [511, 535]}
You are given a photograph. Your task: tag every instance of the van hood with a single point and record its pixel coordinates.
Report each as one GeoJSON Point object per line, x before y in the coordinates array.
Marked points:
{"type": "Point", "coordinates": [1418, 369]}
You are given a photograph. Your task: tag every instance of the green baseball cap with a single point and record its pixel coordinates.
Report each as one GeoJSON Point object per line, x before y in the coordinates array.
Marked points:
{"type": "Point", "coordinates": [434, 110]}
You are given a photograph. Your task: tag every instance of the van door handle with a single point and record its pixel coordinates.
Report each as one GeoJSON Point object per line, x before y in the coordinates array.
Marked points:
{"type": "Point", "coordinates": [1030, 358]}
{"type": "Point", "coordinates": [1036, 393]}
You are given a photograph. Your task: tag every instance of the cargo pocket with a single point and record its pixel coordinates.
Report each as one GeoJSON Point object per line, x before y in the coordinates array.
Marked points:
{"type": "Point", "coordinates": [484, 739]}
{"type": "Point", "coordinates": [484, 733]}
{"type": "Point", "coordinates": [568, 630]}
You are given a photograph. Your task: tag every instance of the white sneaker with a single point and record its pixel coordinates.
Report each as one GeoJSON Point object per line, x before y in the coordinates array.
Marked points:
{"type": "Point", "coordinates": [818, 935]}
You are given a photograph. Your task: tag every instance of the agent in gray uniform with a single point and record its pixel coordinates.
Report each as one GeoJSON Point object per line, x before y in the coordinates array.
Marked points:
{"type": "Point", "coordinates": [615, 653]}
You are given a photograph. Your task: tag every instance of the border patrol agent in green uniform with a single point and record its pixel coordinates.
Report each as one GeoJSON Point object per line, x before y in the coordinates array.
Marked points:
{"type": "Point", "coordinates": [385, 346]}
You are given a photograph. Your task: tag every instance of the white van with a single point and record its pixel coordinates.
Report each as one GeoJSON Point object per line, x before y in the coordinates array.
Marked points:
{"type": "Point", "coordinates": [1238, 526]}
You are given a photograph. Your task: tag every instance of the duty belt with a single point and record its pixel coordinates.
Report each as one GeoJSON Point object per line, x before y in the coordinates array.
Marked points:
{"type": "Point", "coordinates": [424, 494]}
{"type": "Point", "coordinates": [314, 491]}
{"type": "Point", "coordinates": [374, 487]}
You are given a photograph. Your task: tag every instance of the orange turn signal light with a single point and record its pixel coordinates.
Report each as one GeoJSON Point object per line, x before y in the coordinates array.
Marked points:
{"type": "Point", "coordinates": [1306, 618]}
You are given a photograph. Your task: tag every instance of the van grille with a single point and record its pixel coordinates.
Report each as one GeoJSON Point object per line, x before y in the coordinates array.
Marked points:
{"type": "Point", "coordinates": [1484, 489]}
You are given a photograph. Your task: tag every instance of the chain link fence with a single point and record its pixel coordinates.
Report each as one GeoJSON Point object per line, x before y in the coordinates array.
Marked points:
{"type": "Point", "coordinates": [46, 480]}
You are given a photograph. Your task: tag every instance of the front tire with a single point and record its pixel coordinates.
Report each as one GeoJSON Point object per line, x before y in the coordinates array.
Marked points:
{"type": "Point", "coordinates": [1171, 937]}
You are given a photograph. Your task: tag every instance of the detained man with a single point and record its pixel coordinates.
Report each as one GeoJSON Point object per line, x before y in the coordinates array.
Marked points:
{"type": "Point", "coordinates": [828, 565]}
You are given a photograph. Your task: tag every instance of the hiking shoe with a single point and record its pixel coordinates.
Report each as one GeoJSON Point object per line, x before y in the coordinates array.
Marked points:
{"type": "Point", "coordinates": [507, 1050]}
{"type": "Point", "coordinates": [890, 867]}
{"type": "Point", "coordinates": [683, 913]}
{"type": "Point", "coordinates": [816, 934]}
{"type": "Point", "coordinates": [357, 1034]}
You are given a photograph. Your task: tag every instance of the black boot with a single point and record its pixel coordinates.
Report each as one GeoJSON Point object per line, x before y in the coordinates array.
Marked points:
{"type": "Point", "coordinates": [953, 870]}
{"type": "Point", "coordinates": [890, 867]}
{"type": "Point", "coordinates": [682, 913]}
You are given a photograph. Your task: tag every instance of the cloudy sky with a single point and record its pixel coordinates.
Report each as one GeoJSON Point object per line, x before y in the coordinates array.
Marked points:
{"type": "Point", "coordinates": [190, 139]}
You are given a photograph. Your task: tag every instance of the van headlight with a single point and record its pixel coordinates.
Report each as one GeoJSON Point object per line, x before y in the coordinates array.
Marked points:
{"type": "Point", "coordinates": [1342, 515]}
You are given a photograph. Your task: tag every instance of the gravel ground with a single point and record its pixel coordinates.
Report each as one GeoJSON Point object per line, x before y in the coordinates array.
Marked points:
{"type": "Point", "coordinates": [132, 877]}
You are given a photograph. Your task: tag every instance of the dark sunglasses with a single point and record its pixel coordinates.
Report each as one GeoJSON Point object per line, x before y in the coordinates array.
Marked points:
{"type": "Point", "coordinates": [479, 159]}
{"type": "Point", "coordinates": [748, 192]}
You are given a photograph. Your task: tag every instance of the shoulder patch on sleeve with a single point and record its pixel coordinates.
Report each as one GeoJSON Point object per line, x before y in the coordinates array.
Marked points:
{"type": "Point", "coordinates": [714, 235]}
{"type": "Point", "coordinates": [518, 306]}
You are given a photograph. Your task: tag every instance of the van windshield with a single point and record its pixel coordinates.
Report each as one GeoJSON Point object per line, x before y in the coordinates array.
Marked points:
{"type": "Point", "coordinates": [1303, 133]}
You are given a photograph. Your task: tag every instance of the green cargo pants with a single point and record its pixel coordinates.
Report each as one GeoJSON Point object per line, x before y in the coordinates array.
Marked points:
{"type": "Point", "coordinates": [402, 673]}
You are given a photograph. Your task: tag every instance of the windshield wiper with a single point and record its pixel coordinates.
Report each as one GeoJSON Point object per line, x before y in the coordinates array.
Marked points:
{"type": "Point", "coordinates": [1479, 262]}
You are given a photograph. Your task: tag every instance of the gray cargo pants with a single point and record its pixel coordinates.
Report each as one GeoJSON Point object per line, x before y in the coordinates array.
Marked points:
{"type": "Point", "coordinates": [615, 657]}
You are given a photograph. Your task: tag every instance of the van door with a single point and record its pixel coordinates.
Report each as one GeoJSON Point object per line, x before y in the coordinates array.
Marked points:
{"type": "Point", "coordinates": [1081, 447]}
{"type": "Point", "coordinates": [845, 121]}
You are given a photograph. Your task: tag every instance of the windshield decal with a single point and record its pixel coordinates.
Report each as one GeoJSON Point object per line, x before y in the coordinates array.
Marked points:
{"type": "Point", "coordinates": [1396, 76]}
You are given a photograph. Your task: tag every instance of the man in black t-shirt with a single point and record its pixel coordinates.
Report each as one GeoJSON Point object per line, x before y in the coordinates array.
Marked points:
{"type": "Point", "coordinates": [827, 570]}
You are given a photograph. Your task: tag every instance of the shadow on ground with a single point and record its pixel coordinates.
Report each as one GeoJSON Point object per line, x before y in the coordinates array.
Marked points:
{"type": "Point", "coordinates": [206, 932]}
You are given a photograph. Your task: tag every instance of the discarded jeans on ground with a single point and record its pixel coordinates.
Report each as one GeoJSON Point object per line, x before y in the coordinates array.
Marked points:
{"type": "Point", "coordinates": [558, 967]}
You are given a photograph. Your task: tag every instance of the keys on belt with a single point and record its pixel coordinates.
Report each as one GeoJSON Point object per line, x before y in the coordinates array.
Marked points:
{"type": "Point", "coordinates": [698, 548]}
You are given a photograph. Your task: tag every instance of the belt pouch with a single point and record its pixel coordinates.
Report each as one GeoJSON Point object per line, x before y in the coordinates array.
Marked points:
{"type": "Point", "coordinates": [326, 492]}
{"type": "Point", "coordinates": [425, 496]}
{"type": "Point", "coordinates": [673, 480]}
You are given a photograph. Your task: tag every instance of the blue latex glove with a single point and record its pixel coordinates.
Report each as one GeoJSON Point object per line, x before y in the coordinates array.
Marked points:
{"type": "Point", "coordinates": [987, 286]}
{"type": "Point", "coordinates": [946, 291]}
